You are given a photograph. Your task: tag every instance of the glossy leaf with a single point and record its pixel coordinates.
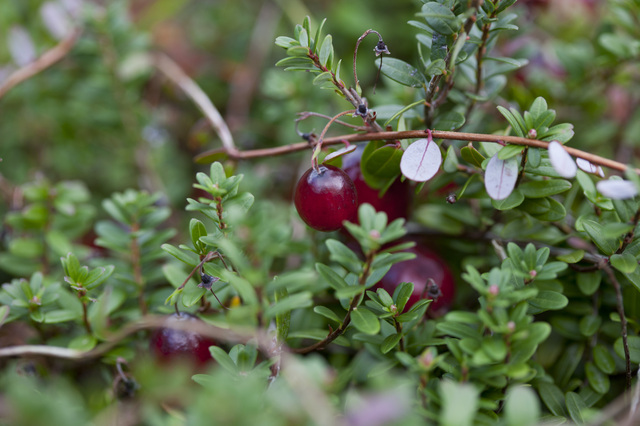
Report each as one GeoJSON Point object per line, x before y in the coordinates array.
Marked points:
{"type": "Point", "coordinates": [544, 188]}
{"type": "Point", "coordinates": [401, 72]}
{"type": "Point", "coordinates": [500, 177]}
{"type": "Point", "coordinates": [589, 168]}
{"type": "Point", "coordinates": [625, 262]}
{"type": "Point", "coordinates": [440, 18]}
{"type": "Point", "coordinates": [561, 161]}
{"type": "Point", "coordinates": [365, 321]}
{"type": "Point", "coordinates": [421, 161]}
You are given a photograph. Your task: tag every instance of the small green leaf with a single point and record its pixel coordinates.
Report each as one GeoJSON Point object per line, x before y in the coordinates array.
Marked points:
{"type": "Point", "coordinates": [598, 381]}
{"type": "Point", "coordinates": [287, 304]}
{"type": "Point", "coordinates": [549, 300]}
{"type": "Point", "coordinates": [634, 348]}
{"type": "Point", "coordinates": [224, 359]}
{"type": "Point", "coordinates": [576, 407]}
{"type": "Point", "coordinates": [552, 397]}
{"type": "Point", "coordinates": [589, 282]}
{"type": "Point", "coordinates": [590, 324]}
{"type": "Point", "coordinates": [544, 188]}
{"type": "Point", "coordinates": [512, 201]}
{"type": "Point", "coordinates": [327, 313]}
{"type": "Point", "coordinates": [522, 407]}
{"type": "Point", "coordinates": [472, 156]}
{"type": "Point", "coordinates": [625, 262]}
{"type": "Point", "coordinates": [449, 121]}
{"type": "Point", "coordinates": [607, 245]}
{"type": "Point", "coordinates": [390, 342]}
{"type": "Point", "coordinates": [513, 122]}
{"type": "Point", "coordinates": [331, 277]}
{"type": "Point", "coordinates": [326, 51]}
{"type": "Point", "coordinates": [510, 151]}
{"type": "Point", "coordinates": [401, 72]}
{"type": "Point", "coordinates": [603, 359]}
{"type": "Point", "coordinates": [365, 320]}
{"type": "Point", "coordinates": [402, 294]}
{"type": "Point", "coordinates": [83, 343]}
{"type": "Point", "coordinates": [440, 18]}
{"type": "Point", "coordinates": [572, 257]}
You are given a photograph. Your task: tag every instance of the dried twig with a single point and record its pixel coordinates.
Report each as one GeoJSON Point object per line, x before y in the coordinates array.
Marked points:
{"type": "Point", "coordinates": [413, 134]}
{"type": "Point", "coordinates": [47, 59]}
{"type": "Point", "coordinates": [173, 71]}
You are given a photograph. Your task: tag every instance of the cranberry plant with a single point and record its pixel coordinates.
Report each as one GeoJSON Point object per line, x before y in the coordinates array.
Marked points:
{"type": "Point", "coordinates": [335, 304]}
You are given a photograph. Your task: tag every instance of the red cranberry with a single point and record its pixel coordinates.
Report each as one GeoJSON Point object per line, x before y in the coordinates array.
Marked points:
{"type": "Point", "coordinates": [425, 266]}
{"type": "Point", "coordinates": [395, 202]}
{"type": "Point", "coordinates": [169, 344]}
{"type": "Point", "coordinates": [325, 198]}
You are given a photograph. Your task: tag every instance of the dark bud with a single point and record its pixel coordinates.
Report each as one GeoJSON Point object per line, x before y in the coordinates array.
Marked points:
{"type": "Point", "coordinates": [451, 198]}
{"type": "Point", "coordinates": [362, 110]}
{"type": "Point", "coordinates": [381, 48]}
{"type": "Point", "coordinates": [207, 281]}
{"type": "Point", "coordinates": [306, 136]}
{"type": "Point", "coordinates": [433, 290]}
{"type": "Point", "coordinates": [126, 388]}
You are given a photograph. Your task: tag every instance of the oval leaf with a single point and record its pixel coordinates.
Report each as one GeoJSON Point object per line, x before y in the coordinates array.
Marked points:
{"type": "Point", "coordinates": [340, 152]}
{"type": "Point", "coordinates": [561, 161]}
{"type": "Point", "coordinates": [500, 177]}
{"type": "Point", "coordinates": [617, 189]}
{"type": "Point", "coordinates": [625, 262]}
{"type": "Point", "coordinates": [365, 321]}
{"type": "Point", "coordinates": [421, 161]}
{"type": "Point", "coordinates": [589, 168]}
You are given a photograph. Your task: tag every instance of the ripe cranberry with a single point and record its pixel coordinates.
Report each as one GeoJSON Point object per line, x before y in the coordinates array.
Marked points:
{"type": "Point", "coordinates": [325, 198]}
{"type": "Point", "coordinates": [169, 344]}
{"type": "Point", "coordinates": [395, 202]}
{"type": "Point", "coordinates": [426, 265]}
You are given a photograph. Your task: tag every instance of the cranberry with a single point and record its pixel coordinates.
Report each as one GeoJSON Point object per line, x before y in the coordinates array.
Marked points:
{"type": "Point", "coordinates": [325, 198]}
{"type": "Point", "coordinates": [395, 202]}
{"type": "Point", "coordinates": [425, 266]}
{"type": "Point", "coordinates": [169, 344]}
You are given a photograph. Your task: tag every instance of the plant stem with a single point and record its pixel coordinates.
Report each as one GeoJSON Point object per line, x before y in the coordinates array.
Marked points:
{"type": "Point", "coordinates": [411, 134]}
{"type": "Point", "coordinates": [85, 318]}
{"type": "Point", "coordinates": [623, 320]}
{"type": "Point", "coordinates": [355, 302]}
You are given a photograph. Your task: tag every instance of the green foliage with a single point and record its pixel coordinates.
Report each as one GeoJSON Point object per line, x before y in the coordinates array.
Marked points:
{"type": "Point", "coordinates": [546, 317]}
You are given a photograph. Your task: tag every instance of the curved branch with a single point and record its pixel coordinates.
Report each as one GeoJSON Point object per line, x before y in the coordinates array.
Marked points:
{"type": "Point", "coordinates": [410, 134]}
{"type": "Point", "coordinates": [173, 71]}
{"type": "Point", "coordinates": [47, 59]}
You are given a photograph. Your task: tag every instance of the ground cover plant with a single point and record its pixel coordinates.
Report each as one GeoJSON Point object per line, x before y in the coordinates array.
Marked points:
{"type": "Point", "coordinates": [430, 220]}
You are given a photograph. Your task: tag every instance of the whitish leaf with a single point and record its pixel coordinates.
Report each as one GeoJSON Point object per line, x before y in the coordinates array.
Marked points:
{"type": "Point", "coordinates": [56, 19]}
{"type": "Point", "coordinates": [617, 189]}
{"type": "Point", "coordinates": [421, 161]}
{"type": "Point", "coordinates": [340, 152]}
{"type": "Point", "coordinates": [500, 177]}
{"type": "Point", "coordinates": [561, 161]}
{"type": "Point", "coordinates": [589, 168]}
{"type": "Point", "coordinates": [21, 46]}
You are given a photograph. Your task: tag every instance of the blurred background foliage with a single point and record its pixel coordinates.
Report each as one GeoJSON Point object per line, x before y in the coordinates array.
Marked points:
{"type": "Point", "coordinates": [105, 117]}
{"type": "Point", "coordinates": [106, 120]}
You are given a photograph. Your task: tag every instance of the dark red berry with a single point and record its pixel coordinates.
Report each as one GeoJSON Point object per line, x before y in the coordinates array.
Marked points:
{"type": "Point", "coordinates": [395, 202]}
{"type": "Point", "coordinates": [325, 198]}
{"type": "Point", "coordinates": [170, 344]}
{"type": "Point", "coordinates": [421, 270]}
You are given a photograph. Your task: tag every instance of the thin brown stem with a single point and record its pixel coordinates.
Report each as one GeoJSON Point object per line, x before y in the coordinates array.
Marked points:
{"type": "Point", "coordinates": [173, 71]}
{"type": "Point", "coordinates": [412, 134]}
{"type": "Point", "coordinates": [49, 58]}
